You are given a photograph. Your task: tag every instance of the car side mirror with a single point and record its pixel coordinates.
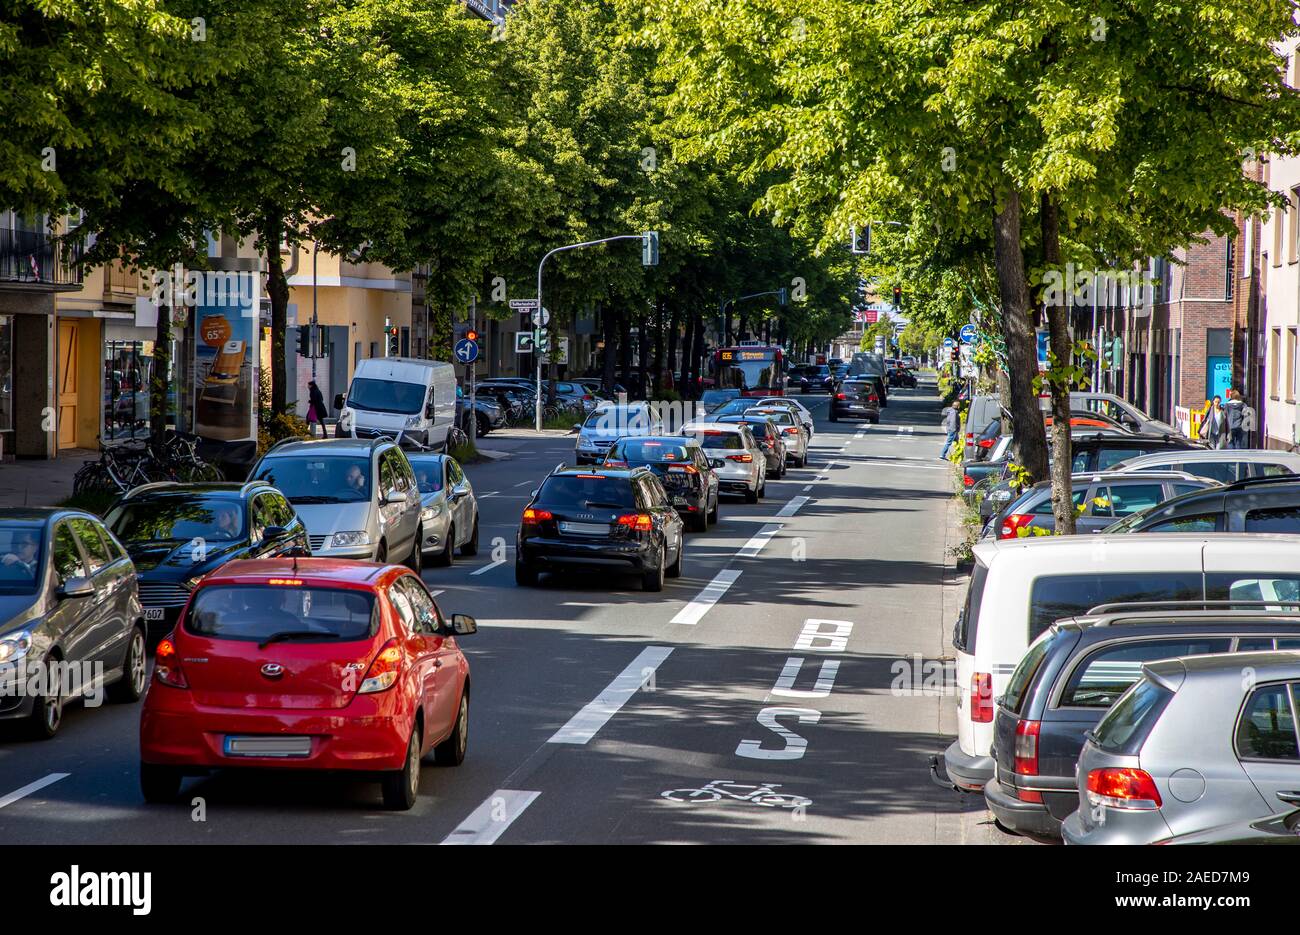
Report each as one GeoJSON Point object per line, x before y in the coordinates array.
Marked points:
{"type": "Point", "coordinates": [576, 428]}
{"type": "Point", "coordinates": [463, 624]}
{"type": "Point", "coordinates": [394, 496]}
{"type": "Point", "coordinates": [271, 533]}
{"type": "Point", "coordinates": [459, 491]}
{"type": "Point", "coordinates": [338, 400]}
{"type": "Point", "coordinates": [430, 412]}
{"type": "Point", "coordinates": [76, 586]}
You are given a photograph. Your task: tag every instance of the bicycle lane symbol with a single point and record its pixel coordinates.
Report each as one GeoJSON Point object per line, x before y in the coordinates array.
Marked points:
{"type": "Point", "coordinates": [763, 794]}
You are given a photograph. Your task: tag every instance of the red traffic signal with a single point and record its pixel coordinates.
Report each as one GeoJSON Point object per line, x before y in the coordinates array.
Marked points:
{"type": "Point", "coordinates": [471, 335]}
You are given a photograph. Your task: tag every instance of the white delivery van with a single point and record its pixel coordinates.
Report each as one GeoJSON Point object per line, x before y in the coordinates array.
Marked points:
{"type": "Point", "coordinates": [401, 395]}
{"type": "Point", "coordinates": [1019, 587]}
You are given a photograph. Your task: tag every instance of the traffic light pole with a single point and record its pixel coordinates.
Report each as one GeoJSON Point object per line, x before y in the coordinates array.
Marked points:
{"type": "Point", "coordinates": [538, 313]}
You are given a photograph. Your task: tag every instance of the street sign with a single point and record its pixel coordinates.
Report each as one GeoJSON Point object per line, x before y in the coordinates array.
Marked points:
{"type": "Point", "coordinates": [541, 318]}
{"type": "Point", "coordinates": [466, 351]}
{"type": "Point", "coordinates": [526, 341]}
{"type": "Point", "coordinates": [949, 344]}
{"type": "Point", "coordinates": [967, 334]}
{"type": "Point", "coordinates": [870, 316]}
{"type": "Point", "coordinates": [523, 304]}
{"type": "Point", "coordinates": [968, 368]}
{"type": "Point", "coordinates": [899, 327]}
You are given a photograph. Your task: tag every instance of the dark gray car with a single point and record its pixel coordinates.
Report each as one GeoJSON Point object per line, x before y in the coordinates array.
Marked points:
{"type": "Point", "coordinates": [1070, 677]}
{"type": "Point", "coordinates": [1104, 499]}
{"type": "Point", "coordinates": [72, 622]}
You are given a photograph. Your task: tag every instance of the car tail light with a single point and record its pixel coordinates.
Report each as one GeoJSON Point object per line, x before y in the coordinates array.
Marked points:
{"type": "Point", "coordinates": [588, 398]}
{"type": "Point", "coordinates": [985, 443]}
{"type": "Point", "coordinates": [840, 396]}
{"type": "Point", "coordinates": [792, 431]}
{"type": "Point", "coordinates": [743, 459]}
{"type": "Point", "coordinates": [1013, 523]}
{"type": "Point", "coordinates": [684, 469]}
{"type": "Point", "coordinates": [981, 697]}
{"type": "Point", "coordinates": [167, 667]}
{"type": "Point", "coordinates": [1117, 787]}
{"type": "Point", "coordinates": [615, 464]}
{"type": "Point", "coordinates": [533, 517]}
{"type": "Point", "coordinates": [1026, 752]}
{"type": "Point", "coordinates": [641, 522]}
{"type": "Point", "coordinates": [384, 670]}
{"type": "Point", "coordinates": [873, 398]}
{"type": "Point", "coordinates": [967, 480]}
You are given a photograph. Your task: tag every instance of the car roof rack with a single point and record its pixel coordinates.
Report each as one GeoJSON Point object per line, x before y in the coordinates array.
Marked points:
{"type": "Point", "coordinates": [1188, 605]}
{"type": "Point", "coordinates": [152, 485]}
{"type": "Point", "coordinates": [1247, 482]}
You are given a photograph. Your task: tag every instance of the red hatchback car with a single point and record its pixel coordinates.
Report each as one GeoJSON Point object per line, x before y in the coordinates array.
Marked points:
{"type": "Point", "coordinates": [310, 664]}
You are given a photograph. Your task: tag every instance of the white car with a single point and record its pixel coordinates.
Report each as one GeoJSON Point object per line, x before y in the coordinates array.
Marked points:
{"type": "Point", "coordinates": [736, 457]}
{"type": "Point", "coordinates": [792, 433]}
{"type": "Point", "coordinates": [610, 422]}
{"type": "Point", "coordinates": [805, 416]}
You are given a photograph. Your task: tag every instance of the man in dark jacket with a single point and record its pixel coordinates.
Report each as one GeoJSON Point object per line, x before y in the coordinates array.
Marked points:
{"type": "Point", "coordinates": [1234, 409]}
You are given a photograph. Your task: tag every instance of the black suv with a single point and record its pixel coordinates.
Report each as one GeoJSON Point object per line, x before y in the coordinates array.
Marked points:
{"type": "Point", "coordinates": [683, 468]}
{"type": "Point", "coordinates": [177, 533]}
{"type": "Point", "coordinates": [1258, 504]}
{"type": "Point", "coordinates": [857, 398]}
{"type": "Point", "coordinates": [600, 520]}
{"type": "Point", "coordinates": [1072, 674]}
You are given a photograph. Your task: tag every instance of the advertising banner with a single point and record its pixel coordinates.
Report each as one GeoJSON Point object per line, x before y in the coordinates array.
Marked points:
{"type": "Point", "coordinates": [225, 394]}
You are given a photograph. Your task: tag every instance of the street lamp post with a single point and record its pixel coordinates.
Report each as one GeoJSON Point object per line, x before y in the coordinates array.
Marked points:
{"type": "Point", "coordinates": [536, 351]}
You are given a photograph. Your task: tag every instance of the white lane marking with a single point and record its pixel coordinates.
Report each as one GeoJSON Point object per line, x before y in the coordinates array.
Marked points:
{"type": "Point", "coordinates": [826, 469]}
{"type": "Point", "coordinates": [905, 429]}
{"type": "Point", "coordinates": [584, 725]}
{"type": "Point", "coordinates": [807, 487]}
{"type": "Point", "coordinates": [490, 820]}
{"type": "Point", "coordinates": [490, 493]}
{"type": "Point", "coordinates": [525, 483]}
{"type": "Point", "coordinates": [793, 506]}
{"type": "Point", "coordinates": [910, 464]}
{"type": "Point", "coordinates": [488, 567]}
{"type": "Point", "coordinates": [436, 593]}
{"type": "Point", "coordinates": [31, 787]}
{"type": "Point", "coordinates": [693, 612]}
{"type": "Point", "coordinates": [758, 540]}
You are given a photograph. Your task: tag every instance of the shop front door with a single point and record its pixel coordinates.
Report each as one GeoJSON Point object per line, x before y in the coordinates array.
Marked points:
{"type": "Point", "coordinates": [68, 384]}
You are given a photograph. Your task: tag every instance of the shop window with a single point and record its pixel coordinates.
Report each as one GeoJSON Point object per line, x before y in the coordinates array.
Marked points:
{"type": "Point", "coordinates": [128, 367]}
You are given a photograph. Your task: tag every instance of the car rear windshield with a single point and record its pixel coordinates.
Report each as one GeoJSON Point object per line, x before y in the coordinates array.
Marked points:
{"type": "Point", "coordinates": [779, 416]}
{"type": "Point", "coordinates": [963, 636]}
{"type": "Point", "coordinates": [1028, 668]}
{"type": "Point", "coordinates": [1128, 723]}
{"type": "Point", "coordinates": [20, 557]}
{"type": "Point", "coordinates": [319, 480]}
{"type": "Point", "coordinates": [718, 438]}
{"type": "Point", "coordinates": [648, 451]}
{"type": "Point", "coordinates": [171, 519]}
{"type": "Point", "coordinates": [1055, 596]}
{"type": "Point", "coordinates": [586, 490]}
{"type": "Point", "coordinates": [288, 611]}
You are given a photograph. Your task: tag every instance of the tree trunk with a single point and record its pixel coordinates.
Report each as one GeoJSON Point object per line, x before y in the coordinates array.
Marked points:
{"type": "Point", "coordinates": [673, 326]}
{"type": "Point", "coordinates": [625, 351]}
{"type": "Point", "coordinates": [277, 290]}
{"type": "Point", "coordinates": [1058, 325]}
{"type": "Point", "coordinates": [659, 347]}
{"type": "Point", "coordinates": [1022, 349]}
{"type": "Point", "coordinates": [158, 382]}
{"type": "Point", "coordinates": [611, 340]}
{"type": "Point", "coordinates": [643, 354]}
{"type": "Point", "coordinates": [684, 383]}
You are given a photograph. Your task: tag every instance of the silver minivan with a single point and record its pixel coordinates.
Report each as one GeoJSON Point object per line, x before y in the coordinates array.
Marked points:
{"type": "Point", "coordinates": [358, 498]}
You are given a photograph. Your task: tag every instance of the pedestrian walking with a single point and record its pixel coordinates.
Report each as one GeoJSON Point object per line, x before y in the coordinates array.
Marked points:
{"type": "Point", "coordinates": [315, 407]}
{"type": "Point", "coordinates": [951, 425]}
{"type": "Point", "coordinates": [1214, 423]}
{"type": "Point", "coordinates": [1247, 423]}
{"type": "Point", "coordinates": [1234, 410]}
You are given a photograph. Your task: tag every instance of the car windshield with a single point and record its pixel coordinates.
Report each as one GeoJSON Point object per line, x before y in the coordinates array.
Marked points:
{"type": "Point", "coordinates": [563, 491]}
{"type": "Point", "coordinates": [648, 451]}
{"type": "Point", "coordinates": [736, 407]}
{"type": "Point", "coordinates": [619, 419]}
{"type": "Point", "coordinates": [1126, 725]}
{"type": "Point", "coordinates": [284, 611]}
{"type": "Point", "coordinates": [334, 479]}
{"type": "Point", "coordinates": [779, 416]}
{"type": "Point", "coordinates": [177, 518]}
{"type": "Point", "coordinates": [20, 557]}
{"type": "Point", "coordinates": [386, 396]}
{"type": "Point", "coordinates": [428, 473]}
{"type": "Point", "coordinates": [713, 398]}
{"type": "Point", "coordinates": [716, 438]}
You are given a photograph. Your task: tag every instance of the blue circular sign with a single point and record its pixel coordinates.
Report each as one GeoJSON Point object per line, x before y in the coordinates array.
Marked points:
{"type": "Point", "coordinates": [949, 342]}
{"type": "Point", "coordinates": [466, 351]}
{"type": "Point", "coordinates": [967, 334]}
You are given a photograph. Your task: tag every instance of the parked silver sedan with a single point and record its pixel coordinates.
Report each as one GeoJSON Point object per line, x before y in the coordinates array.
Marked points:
{"type": "Point", "coordinates": [1197, 742]}
{"type": "Point", "coordinates": [449, 517]}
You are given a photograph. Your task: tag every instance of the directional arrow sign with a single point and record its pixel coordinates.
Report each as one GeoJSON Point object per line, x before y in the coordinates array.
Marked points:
{"type": "Point", "coordinates": [466, 351]}
{"type": "Point", "coordinates": [541, 318]}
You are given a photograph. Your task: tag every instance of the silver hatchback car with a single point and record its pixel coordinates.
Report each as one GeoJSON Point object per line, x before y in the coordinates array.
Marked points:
{"type": "Point", "coordinates": [450, 518]}
{"type": "Point", "coordinates": [357, 497]}
{"type": "Point", "coordinates": [1197, 742]}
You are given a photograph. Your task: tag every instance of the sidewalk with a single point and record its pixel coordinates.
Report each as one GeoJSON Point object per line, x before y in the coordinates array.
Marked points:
{"type": "Point", "coordinates": [41, 483]}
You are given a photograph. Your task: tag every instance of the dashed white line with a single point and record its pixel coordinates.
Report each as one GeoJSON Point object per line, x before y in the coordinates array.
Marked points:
{"type": "Point", "coordinates": [490, 493]}
{"type": "Point", "coordinates": [490, 820]}
{"type": "Point", "coordinates": [436, 593]}
{"type": "Point", "coordinates": [584, 725]}
{"type": "Point", "coordinates": [758, 540]}
{"type": "Point", "coordinates": [807, 487]}
{"type": "Point", "coordinates": [792, 507]}
{"type": "Point", "coordinates": [31, 787]}
{"type": "Point", "coordinates": [693, 612]}
{"type": "Point", "coordinates": [486, 568]}
{"type": "Point", "coordinates": [525, 483]}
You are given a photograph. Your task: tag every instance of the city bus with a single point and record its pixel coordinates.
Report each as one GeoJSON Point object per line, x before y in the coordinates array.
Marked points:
{"type": "Point", "coordinates": [754, 369]}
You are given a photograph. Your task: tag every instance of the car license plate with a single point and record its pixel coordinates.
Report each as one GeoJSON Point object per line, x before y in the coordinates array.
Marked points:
{"type": "Point", "coordinates": [267, 745]}
{"type": "Point", "coordinates": [153, 613]}
{"type": "Point", "coordinates": [679, 501]}
{"type": "Point", "coordinates": [585, 529]}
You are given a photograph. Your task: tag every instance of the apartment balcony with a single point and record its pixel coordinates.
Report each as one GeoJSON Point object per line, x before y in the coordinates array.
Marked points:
{"type": "Point", "coordinates": [39, 261]}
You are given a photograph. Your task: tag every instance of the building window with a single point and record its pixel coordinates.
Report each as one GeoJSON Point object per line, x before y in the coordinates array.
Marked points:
{"type": "Point", "coordinates": [128, 368]}
{"type": "Point", "coordinates": [1231, 251]}
{"type": "Point", "coordinates": [1248, 244]}
{"type": "Point", "coordinates": [1291, 203]}
{"type": "Point", "coordinates": [1278, 222]}
{"type": "Point", "coordinates": [1290, 365]}
{"type": "Point", "coordinates": [1274, 359]}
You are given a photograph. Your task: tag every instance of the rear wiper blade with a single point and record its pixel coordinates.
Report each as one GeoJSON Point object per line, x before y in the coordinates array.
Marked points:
{"type": "Point", "coordinates": [294, 634]}
{"type": "Point", "coordinates": [609, 506]}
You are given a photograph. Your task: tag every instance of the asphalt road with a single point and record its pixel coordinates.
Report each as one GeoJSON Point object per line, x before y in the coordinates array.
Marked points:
{"type": "Point", "coordinates": [761, 689]}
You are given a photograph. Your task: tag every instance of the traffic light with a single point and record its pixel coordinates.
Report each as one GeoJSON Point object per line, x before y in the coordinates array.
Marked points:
{"type": "Point", "coordinates": [394, 345]}
{"type": "Point", "coordinates": [898, 297]}
{"type": "Point", "coordinates": [471, 335]}
{"type": "Point", "coordinates": [650, 248]}
{"type": "Point", "coordinates": [954, 355]}
{"type": "Point", "coordinates": [304, 340]}
{"type": "Point", "coordinates": [860, 240]}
